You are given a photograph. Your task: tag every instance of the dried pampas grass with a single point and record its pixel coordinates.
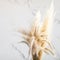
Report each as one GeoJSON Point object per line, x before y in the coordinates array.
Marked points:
{"type": "Point", "coordinates": [37, 38]}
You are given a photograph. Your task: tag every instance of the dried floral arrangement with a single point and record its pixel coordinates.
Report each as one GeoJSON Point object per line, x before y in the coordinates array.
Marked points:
{"type": "Point", "coordinates": [37, 39]}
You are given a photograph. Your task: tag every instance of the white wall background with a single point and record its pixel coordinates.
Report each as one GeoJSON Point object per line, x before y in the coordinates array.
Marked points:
{"type": "Point", "coordinates": [13, 16]}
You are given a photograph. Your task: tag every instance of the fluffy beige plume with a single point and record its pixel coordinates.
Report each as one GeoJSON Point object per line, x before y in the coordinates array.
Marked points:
{"type": "Point", "coordinates": [48, 19]}
{"type": "Point", "coordinates": [37, 37]}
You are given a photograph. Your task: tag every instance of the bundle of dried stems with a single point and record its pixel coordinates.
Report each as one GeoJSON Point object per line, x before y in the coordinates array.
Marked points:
{"type": "Point", "coordinates": [37, 37]}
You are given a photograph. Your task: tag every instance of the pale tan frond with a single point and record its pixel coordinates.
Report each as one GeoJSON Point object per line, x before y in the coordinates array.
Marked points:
{"type": "Point", "coordinates": [36, 24]}
{"type": "Point", "coordinates": [25, 42]}
{"type": "Point", "coordinates": [32, 31]}
{"type": "Point", "coordinates": [46, 52]}
{"type": "Point", "coordinates": [23, 32]}
{"type": "Point", "coordinates": [50, 17]}
{"type": "Point", "coordinates": [44, 26]}
{"type": "Point", "coordinates": [27, 38]}
{"type": "Point", "coordinates": [49, 43]}
{"type": "Point", "coordinates": [49, 51]}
